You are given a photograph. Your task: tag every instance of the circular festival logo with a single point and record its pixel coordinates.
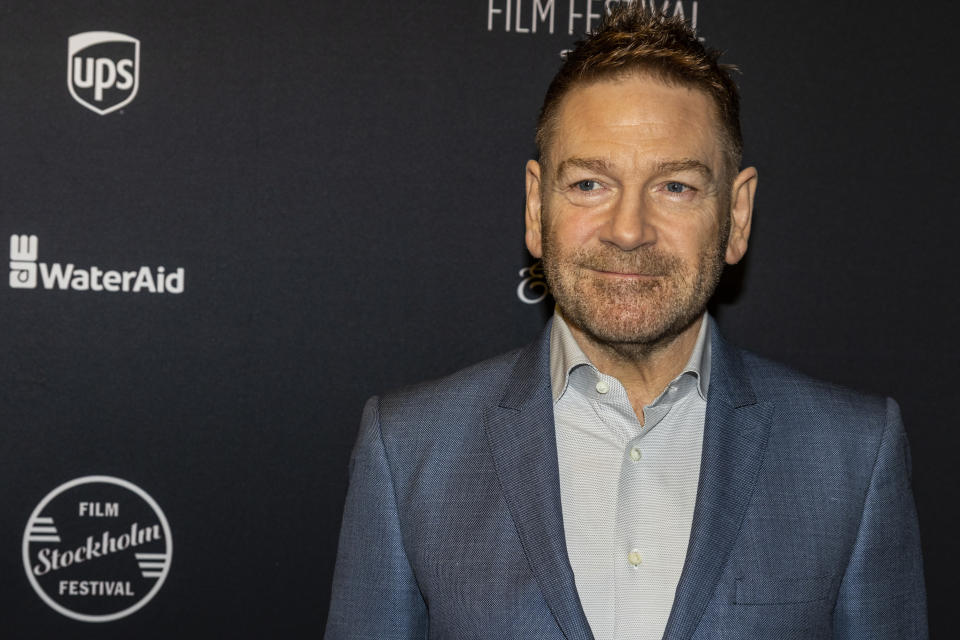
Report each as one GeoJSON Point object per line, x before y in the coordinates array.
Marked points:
{"type": "Point", "coordinates": [97, 548]}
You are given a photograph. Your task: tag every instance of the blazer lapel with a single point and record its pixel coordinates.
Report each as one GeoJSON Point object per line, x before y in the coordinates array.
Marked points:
{"type": "Point", "coordinates": [520, 432]}
{"type": "Point", "coordinates": [734, 441]}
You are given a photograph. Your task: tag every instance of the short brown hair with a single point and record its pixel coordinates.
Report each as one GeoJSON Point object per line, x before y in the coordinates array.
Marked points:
{"type": "Point", "coordinates": [631, 39]}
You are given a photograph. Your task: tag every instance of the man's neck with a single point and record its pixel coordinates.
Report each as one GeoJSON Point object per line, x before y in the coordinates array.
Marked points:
{"type": "Point", "coordinates": [643, 370]}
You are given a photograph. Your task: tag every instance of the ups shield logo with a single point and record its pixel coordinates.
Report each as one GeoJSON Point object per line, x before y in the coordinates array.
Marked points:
{"type": "Point", "coordinates": [103, 70]}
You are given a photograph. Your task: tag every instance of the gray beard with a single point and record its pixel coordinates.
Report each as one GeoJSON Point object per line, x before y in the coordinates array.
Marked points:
{"type": "Point", "coordinates": [631, 318]}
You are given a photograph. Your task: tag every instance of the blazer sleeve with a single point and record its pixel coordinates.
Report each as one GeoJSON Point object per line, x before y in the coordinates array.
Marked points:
{"type": "Point", "coordinates": [882, 595]}
{"type": "Point", "coordinates": [374, 592]}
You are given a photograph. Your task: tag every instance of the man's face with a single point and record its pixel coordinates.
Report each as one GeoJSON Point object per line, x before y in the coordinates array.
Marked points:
{"type": "Point", "coordinates": [631, 209]}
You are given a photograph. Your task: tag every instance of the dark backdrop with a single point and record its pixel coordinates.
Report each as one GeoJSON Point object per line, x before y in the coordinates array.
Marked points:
{"type": "Point", "coordinates": [342, 184]}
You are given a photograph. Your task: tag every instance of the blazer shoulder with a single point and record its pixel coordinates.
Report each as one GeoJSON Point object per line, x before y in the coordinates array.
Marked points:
{"type": "Point", "coordinates": [840, 427]}
{"type": "Point", "coordinates": [477, 379]}
{"type": "Point", "coordinates": [788, 387]}
{"type": "Point", "coordinates": [450, 399]}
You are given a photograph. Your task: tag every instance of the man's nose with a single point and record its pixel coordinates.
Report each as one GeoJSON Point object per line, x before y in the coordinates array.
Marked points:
{"type": "Point", "coordinates": [631, 224]}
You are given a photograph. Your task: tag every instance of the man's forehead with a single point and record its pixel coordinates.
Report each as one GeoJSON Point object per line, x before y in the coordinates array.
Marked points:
{"type": "Point", "coordinates": [636, 120]}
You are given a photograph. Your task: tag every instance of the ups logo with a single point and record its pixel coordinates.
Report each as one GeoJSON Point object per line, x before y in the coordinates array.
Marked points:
{"type": "Point", "coordinates": [103, 70]}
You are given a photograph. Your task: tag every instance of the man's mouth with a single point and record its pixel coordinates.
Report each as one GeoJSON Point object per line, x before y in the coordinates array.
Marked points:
{"type": "Point", "coordinates": [620, 273]}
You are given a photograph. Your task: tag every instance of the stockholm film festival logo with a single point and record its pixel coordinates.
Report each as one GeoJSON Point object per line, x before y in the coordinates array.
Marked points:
{"type": "Point", "coordinates": [26, 272]}
{"type": "Point", "coordinates": [103, 70]}
{"type": "Point", "coordinates": [97, 548]}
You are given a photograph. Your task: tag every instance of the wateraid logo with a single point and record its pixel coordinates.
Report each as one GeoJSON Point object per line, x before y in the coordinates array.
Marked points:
{"type": "Point", "coordinates": [26, 272]}
{"type": "Point", "coordinates": [103, 70]}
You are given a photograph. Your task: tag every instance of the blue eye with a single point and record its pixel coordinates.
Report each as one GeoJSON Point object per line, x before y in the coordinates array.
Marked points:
{"type": "Point", "coordinates": [587, 185]}
{"type": "Point", "coordinates": [677, 187]}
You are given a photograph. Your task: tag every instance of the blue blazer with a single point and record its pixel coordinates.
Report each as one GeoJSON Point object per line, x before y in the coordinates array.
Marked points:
{"type": "Point", "coordinates": [804, 526]}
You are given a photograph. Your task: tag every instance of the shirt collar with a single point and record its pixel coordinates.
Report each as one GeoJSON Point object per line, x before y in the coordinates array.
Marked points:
{"type": "Point", "coordinates": [566, 355]}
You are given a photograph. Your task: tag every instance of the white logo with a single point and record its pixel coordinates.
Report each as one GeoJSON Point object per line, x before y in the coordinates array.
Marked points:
{"type": "Point", "coordinates": [103, 70]}
{"type": "Point", "coordinates": [23, 262]}
{"type": "Point", "coordinates": [97, 548]}
{"type": "Point", "coordinates": [575, 16]}
{"type": "Point", "coordinates": [24, 270]}
{"type": "Point", "coordinates": [533, 288]}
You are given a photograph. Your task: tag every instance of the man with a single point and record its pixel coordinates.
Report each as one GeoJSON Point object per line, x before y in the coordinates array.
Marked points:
{"type": "Point", "coordinates": [630, 474]}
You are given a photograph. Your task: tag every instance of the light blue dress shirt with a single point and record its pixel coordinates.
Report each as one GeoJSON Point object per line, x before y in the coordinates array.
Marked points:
{"type": "Point", "coordinates": [627, 490]}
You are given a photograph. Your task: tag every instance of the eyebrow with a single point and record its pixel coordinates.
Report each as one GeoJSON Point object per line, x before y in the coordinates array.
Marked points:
{"type": "Point", "coordinates": [687, 164]}
{"type": "Point", "coordinates": [599, 165]}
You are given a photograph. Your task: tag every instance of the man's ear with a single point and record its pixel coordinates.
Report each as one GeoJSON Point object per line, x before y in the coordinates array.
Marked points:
{"type": "Point", "coordinates": [741, 214]}
{"type": "Point", "coordinates": [534, 206]}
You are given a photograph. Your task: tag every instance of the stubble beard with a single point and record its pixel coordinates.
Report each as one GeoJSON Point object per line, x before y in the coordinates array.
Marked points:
{"type": "Point", "coordinates": [631, 317]}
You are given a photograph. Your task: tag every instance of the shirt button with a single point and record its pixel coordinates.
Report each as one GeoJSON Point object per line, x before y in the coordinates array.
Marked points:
{"type": "Point", "coordinates": [635, 454]}
{"type": "Point", "coordinates": [602, 387]}
{"type": "Point", "coordinates": [634, 557]}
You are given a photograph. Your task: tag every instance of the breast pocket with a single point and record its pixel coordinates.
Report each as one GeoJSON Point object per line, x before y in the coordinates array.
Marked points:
{"type": "Point", "coordinates": [781, 608]}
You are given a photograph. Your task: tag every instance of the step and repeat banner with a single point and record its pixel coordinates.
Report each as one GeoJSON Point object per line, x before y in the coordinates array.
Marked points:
{"type": "Point", "coordinates": [229, 223]}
